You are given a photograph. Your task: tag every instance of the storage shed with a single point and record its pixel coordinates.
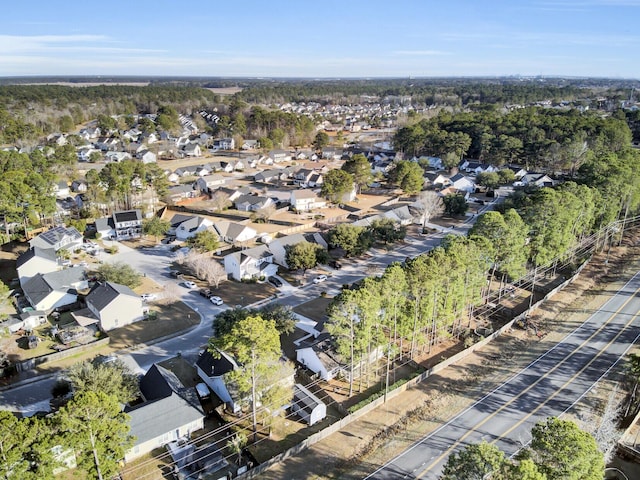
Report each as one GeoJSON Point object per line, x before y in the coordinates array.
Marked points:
{"type": "Point", "coordinates": [307, 405]}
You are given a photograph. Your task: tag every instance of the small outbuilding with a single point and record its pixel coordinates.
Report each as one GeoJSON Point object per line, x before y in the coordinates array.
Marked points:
{"type": "Point", "coordinates": [309, 407]}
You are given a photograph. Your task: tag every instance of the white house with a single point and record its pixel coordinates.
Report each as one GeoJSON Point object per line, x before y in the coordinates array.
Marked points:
{"type": "Point", "coordinates": [251, 263]}
{"type": "Point", "coordinates": [252, 203]}
{"type": "Point", "coordinates": [460, 182]}
{"type": "Point", "coordinates": [212, 371]}
{"type": "Point", "coordinates": [48, 291]}
{"type": "Point", "coordinates": [191, 227]}
{"type": "Point", "coordinates": [304, 200]}
{"type": "Point", "coordinates": [147, 156]}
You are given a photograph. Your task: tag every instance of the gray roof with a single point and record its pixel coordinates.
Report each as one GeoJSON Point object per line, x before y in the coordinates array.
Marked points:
{"type": "Point", "coordinates": [40, 286]}
{"type": "Point", "coordinates": [153, 419]}
{"type": "Point", "coordinates": [51, 237]}
{"type": "Point", "coordinates": [105, 293]}
{"type": "Point", "coordinates": [168, 405]}
{"type": "Point", "coordinates": [229, 229]}
{"type": "Point", "coordinates": [44, 253]}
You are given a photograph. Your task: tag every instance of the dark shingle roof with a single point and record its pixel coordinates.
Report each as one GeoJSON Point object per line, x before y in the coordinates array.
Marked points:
{"type": "Point", "coordinates": [127, 216]}
{"type": "Point", "coordinates": [40, 286]}
{"type": "Point", "coordinates": [215, 367]}
{"type": "Point", "coordinates": [105, 293]}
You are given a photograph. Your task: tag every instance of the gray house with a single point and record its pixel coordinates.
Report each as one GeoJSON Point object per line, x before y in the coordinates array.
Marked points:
{"type": "Point", "coordinates": [56, 289]}
{"type": "Point", "coordinates": [114, 305]}
{"type": "Point", "coordinates": [212, 372]}
{"type": "Point", "coordinates": [170, 411]}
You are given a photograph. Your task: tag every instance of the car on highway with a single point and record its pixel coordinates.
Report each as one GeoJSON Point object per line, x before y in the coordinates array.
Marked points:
{"type": "Point", "coordinates": [216, 300]}
{"type": "Point", "coordinates": [189, 284]}
{"type": "Point", "coordinates": [206, 293]}
{"type": "Point", "coordinates": [319, 279]}
{"type": "Point", "coordinates": [274, 281]}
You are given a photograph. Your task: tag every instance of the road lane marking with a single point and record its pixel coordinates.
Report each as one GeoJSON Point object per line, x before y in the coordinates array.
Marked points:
{"type": "Point", "coordinates": [506, 382]}
{"type": "Point", "coordinates": [526, 390]}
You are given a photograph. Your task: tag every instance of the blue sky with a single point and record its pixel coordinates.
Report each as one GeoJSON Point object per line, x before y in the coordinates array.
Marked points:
{"type": "Point", "coordinates": [308, 38]}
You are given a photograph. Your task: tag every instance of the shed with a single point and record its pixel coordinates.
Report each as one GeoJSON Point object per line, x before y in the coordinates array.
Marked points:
{"type": "Point", "coordinates": [307, 405]}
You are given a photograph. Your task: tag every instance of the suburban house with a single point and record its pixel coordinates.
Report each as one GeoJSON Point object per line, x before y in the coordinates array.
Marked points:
{"type": "Point", "coordinates": [479, 167]}
{"type": "Point", "coordinates": [277, 246]}
{"type": "Point", "coordinates": [319, 356]}
{"type": "Point", "coordinates": [453, 191]}
{"type": "Point", "coordinates": [106, 143]}
{"type": "Point", "coordinates": [79, 186]}
{"type": "Point", "coordinates": [519, 172]}
{"type": "Point", "coordinates": [234, 233]}
{"type": "Point", "coordinates": [309, 407]}
{"type": "Point", "coordinates": [61, 189]}
{"type": "Point", "coordinates": [117, 157]}
{"type": "Point", "coordinates": [178, 193]}
{"type": "Point", "coordinates": [128, 224]}
{"type": "Point", "coordinates": [331, 153]}
{"type": "Point", "coordinates": [190, 226]}
{"type": "Point", "coordinates": [252, 203]}
{"type": "Point", "coordinates": [186, 171]}
{"type": "Point", "coordinates": [191, 150]}
{"type": "Point", "coordinates": [400, 215]}
{"type": "Point", "coordinates": [234, 193]}
{"type": "Point", "coordinates": [224, 144]}
{"type": "Point", "coordinates": [438, 180]}
{"type": "Point", "coordinates": [124, 225]}
{"type": "Point", "coordinates": [212, 371]}
{"type": "Point", "coordinates": [460, 182]}
{"type": "Point", "coordinates": [147, 156]}
{"type": "Point", "coordinates": [209, 183]}
{"type": "Point", "coordinates": [169, 411]}
{"type": "Point", "coordinates": [432, 162]}
{"type": "Point", "coordinates": [304, 200]}
{"type": "Point", "coordinates": [279, 156]}
{"type": "Point", "coordinates": [537, 179]}
{"type": "Point", "coordinates": [308, 178]}
{"type": "Point", "coordinates": [52, 290]}
{"type": "Point", "coordinates": [36, 260]}
{"type": "Point", "coordinates": [250, 145]}
{"type": "Point", "coordinates": [251, 263]}
{"type": "Point", "coordinates": [58, 238]}
{"type": "Point", "coordinates": [114, 305]}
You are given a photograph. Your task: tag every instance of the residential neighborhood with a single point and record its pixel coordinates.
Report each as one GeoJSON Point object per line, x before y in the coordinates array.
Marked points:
{"type": "Point", "coordinates": [257, 295]}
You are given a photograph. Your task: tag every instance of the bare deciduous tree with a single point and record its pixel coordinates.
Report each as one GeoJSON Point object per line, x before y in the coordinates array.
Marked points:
{"type": "Point", "coordinates": [215, 273]}
{"type": "Point", "coordinates": [428, 204]}
{"type": "Point", "coordinates": [602, 423]}
{"type": "Point", "coordinates": [220, 201]}
{"type": "Point", "coordinates": [265, 213]}
{"type": "Point", "coordinates": [170, 293]}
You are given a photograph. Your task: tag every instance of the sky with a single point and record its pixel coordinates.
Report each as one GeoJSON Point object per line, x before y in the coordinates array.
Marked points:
{"type": "Point", "coordinates": [321, 39]}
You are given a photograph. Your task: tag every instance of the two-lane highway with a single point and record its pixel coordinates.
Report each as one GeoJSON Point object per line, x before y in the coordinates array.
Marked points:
{"type": "Point", "coordinates": [549, 386]}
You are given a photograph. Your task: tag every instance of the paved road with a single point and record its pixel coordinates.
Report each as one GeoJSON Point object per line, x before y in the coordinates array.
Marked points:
{"type": "Point", "coordinates": [549, 386]}
{"type": "Point", "coordinates": [154, 262]}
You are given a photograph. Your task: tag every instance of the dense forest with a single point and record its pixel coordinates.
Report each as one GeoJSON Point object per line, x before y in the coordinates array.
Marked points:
{"type": "Point", "coordinates": [538, 138]}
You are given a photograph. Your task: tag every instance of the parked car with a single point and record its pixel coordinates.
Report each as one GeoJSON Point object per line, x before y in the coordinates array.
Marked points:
{"type": "Point", "coordinates": [148, 297]}
{"type": "Point", "coordinates": [335, 264]}
{"type": "Point", "coordinates": [216, 300]}
{"type": "Point", "coordinates": [190, 285]}
{"type": "Point", "coordinates": [174, 274]}
{"type": "Point", "coordinates": [320, 279]}
{"type": "Point", "coordinates": [206, 293]}
{"type": "Point", "coordinates": [274, 281]}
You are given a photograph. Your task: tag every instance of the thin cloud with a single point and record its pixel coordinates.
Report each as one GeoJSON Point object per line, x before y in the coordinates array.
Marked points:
{"type": "Point", "coordinates": [421, 53]}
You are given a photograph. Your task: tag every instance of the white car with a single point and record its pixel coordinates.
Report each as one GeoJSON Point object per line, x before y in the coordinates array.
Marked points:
{"type": "Point", "coordinates": [189, 284]}
{"type": "Point", "coordinates": [216, 300]}
{"type": "Point", "coordinates": [319, 279]}
{"type": "Point", "coordinates": [148, 297]}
